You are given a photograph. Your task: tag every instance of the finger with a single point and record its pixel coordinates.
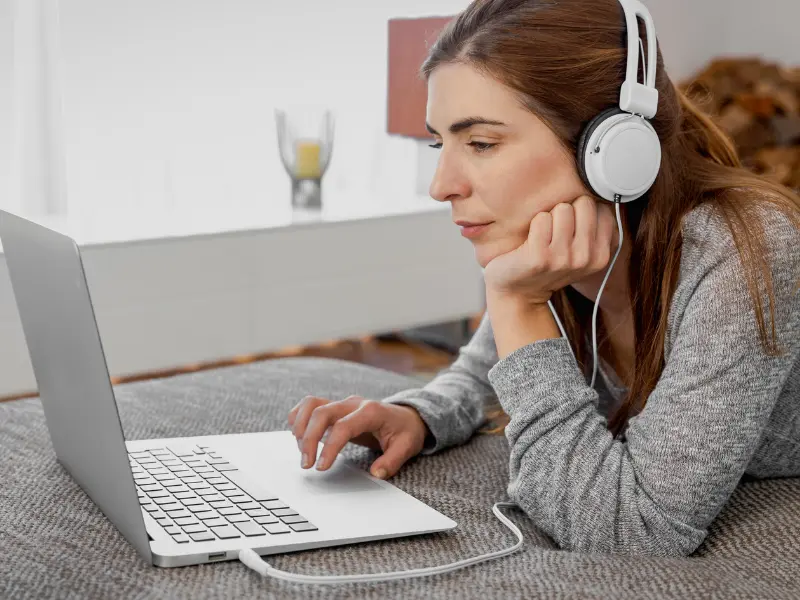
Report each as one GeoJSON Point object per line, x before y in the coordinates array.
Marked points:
{"type": "Point", "coordinates": [586, 210]}
{"type": "Point", "coordinates": [305, 408]}
{"type": "Point", "coordinates": [395, 456]}
{"type": "Point", "coordinates": [539, 239]}
{"type": "Point", "coordinates": [563, 234]}
{"type": "Point", "coordinates": [368, 417]}
{"type": "Point", "coordinates": [322, 418]}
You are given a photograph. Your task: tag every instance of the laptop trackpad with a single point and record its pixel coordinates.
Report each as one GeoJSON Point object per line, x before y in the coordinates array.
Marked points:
{"type": "Point", "coordinates": [340, 478]}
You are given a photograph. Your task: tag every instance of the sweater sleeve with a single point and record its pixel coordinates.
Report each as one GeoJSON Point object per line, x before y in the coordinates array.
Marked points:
{"type": "Point", "coordinates": [452, 404]}
{"type": "Point", "coordinates": [657, 491]}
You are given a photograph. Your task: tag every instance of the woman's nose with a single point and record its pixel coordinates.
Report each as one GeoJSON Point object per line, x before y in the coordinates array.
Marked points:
{"type": "Point", "coordinates": [448, 182]}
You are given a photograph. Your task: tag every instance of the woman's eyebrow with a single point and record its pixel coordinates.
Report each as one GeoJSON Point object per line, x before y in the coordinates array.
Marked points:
{"type": "Point", "coordinates": [463, 124]}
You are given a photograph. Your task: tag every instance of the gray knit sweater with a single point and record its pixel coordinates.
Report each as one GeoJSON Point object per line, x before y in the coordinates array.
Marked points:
{"type": "Point", "coordinates": [722, 409]}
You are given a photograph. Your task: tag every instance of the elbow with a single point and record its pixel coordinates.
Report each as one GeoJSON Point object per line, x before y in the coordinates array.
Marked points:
{"type": "Point", "coordinates": [662, 546]}
{"type": "Point", "coordinates": [607, 530]}
{"type": "Point", "coordinates": [647, 539]}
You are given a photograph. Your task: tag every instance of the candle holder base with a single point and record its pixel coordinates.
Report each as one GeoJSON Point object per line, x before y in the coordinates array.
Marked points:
{"type": "Point", "coordinates": [307, 194]}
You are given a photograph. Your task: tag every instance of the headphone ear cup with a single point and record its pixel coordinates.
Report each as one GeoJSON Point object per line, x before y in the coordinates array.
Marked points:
{"type": "Point", "coordinates": [586, 136]}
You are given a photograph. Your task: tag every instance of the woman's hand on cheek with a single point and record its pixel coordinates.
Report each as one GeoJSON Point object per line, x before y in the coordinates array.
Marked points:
{"type": "Point", "coordinates": [564, 245]}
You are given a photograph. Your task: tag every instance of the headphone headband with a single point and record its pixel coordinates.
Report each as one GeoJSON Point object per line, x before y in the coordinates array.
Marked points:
{"type": "Point", "coordinates": [635, 97]}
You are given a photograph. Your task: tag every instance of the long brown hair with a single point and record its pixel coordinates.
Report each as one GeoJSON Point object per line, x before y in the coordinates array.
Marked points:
{"type": "Point", "coordinates": [566, 61]}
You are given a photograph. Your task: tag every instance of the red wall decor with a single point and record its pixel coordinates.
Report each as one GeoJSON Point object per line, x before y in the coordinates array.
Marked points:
{"type": "Point", "coordinates": [409, 43]}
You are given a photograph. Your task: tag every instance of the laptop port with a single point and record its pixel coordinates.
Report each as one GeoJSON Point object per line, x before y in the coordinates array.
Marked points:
{"type": "Point", "coordinates": [216, 556]}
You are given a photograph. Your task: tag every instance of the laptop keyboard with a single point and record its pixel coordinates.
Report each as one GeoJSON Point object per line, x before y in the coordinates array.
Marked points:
{"type": "Point", "coordinates": [196, 494]}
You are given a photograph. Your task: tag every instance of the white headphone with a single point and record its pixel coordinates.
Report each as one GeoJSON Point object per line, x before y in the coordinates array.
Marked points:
{"type": "Point", "coordinates": [619, 153]}
{"type": "Point", "coordinates": [622, 164]}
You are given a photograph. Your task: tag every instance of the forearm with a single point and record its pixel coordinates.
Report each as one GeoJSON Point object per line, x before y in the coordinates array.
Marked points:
{"type": "Point", "coordinates": [452, 404]}
{"type": "Point", "coordinates": [517, 323]}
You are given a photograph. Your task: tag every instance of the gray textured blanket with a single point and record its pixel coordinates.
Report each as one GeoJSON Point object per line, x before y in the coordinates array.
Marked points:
{"type": "Point", "coordinates": [55, 542]}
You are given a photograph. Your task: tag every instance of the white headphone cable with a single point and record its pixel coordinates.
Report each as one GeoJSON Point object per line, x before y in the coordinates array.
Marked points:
{"type": "Point", "coordinates": [250, 558]}
{"type": "Point", "coordinates": [617, 199]}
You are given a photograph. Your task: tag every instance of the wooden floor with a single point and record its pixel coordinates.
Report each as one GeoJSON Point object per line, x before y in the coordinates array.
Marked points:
{"type": "Point", "coordinates": [401, 355]}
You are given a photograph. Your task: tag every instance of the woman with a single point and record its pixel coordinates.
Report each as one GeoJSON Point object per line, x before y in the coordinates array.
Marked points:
{"type": "Point", "coordinates": [699, 320]}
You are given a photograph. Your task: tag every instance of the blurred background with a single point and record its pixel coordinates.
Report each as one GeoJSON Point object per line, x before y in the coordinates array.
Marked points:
{"type": "Point", "coordinates": [169, 104]}
{"type": "Point", "coordinates": [171, 101]}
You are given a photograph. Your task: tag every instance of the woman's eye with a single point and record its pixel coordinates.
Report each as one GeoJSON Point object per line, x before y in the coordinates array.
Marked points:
{"type": "Point", "coordinates": [479, 146]}
{"type": "Point", "coordinates": [482, 146]}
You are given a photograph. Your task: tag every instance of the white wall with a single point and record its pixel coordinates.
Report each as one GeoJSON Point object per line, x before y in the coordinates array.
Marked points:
{"type": "Point", "coordinates": [170, 102]}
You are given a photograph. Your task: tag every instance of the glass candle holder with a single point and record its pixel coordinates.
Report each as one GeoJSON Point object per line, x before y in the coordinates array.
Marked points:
{"type": "Point", "coordinates": [305, 140]}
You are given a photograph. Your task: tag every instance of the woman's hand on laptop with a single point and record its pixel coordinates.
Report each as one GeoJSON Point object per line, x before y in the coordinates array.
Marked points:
{"type": "Point", "coordinates": [397, 430]}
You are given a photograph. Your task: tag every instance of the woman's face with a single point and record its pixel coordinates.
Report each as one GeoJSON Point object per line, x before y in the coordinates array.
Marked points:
{"type": "Point", "coordinates": [503, 173]}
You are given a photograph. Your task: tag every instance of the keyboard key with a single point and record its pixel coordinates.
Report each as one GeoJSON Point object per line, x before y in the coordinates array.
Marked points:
{"type": "Point", "coordinates": [201, 469]}
{"type": "Point", "coordinates": [152, 487]}
{"type": "Point", "coordinates": [162, 477]}
{"type": "Point", "coordinates": [194, 462]}
{"type": "Point", "coordinates": [240, 518]}
{"type": "Point", "coordinates": [186, 521]}
{"type": "Point", "coordinates": [240, 499]}
{"type": "Point", "coordinates": [138, 454]}
{"type": "Point", "coordinates": [158, 451]}
{"type": "Point", "coordinates": [229, 511]}
{"type": "Point", "coordinates": [257, 512]}
{"type": "Point", "coordinates": [150, 507]}
{"type": "Point", "coordinates": [211, 475]}
{"type": "Point", "coordinates": [181, 538]}
{"type": "Point", "coordinates": [216, 461]}
{"type": "Point", "coordinates": [169, 507]}
{"type": "Point", "coordinates": [159, 470]}
{"type": "Point", "coordinates": [303, 526]}
{"type": "Point", "coordinates": [273, 504]}
{"type": "Point", "coordinates": [199, 450]}
{"type": "Point", "coordinates": [294, 519]}
{"type": "Point", "coordinates": [199, 508]}
{"type": "Point", "coordinates": [216, 522]}
{"type": "Point", "coordinates": [250, 529]}
{"type": "Point", "coordinates": [197, 487]}
{"type": "Point", "coordinates": [283, 512]}
{"type": "Point", "coordinates": [159, 494]}
{"type": "Point", "coordinates": [195, 501]}
{"type": "Point", "coordinates": [194, 528]}
{"type": "Point", "coordinates": [226, 532]}
{"type": "Point", "coordinates": [175, 486]}
{"type": "Point", "coordinates": [207, 515]}
{"type": "Point", "coordinates": [178, 451]}
{"type": "Point", "coordinates": [178, 469]}
{"type": "Point", "coordinates": [258, 492]}
{"type": "Point", "coordinates": [161, 518]}
{"type": "Point", "coordinates": [178, 512]}
{"type": "Point", "coordinates": [206, 536]}
{"type": "Point", "coordinates": [249, 505]}
{"type": "Point", "coordinates": [224, 487]}
{"type": "Point", "coordinates": [189, 478]}
{"type": "Point", "coordinates": [185, 495]}
{"type": "Point", "coordinates": [277, 528]}
{"type": "Point", "coordinates": [217, 480]}
{"type": "Point", "coordinates": [220, 504]}
{"type": "Point", "coordinates": [165, 500]}
{"type": "Point", "coordinates": [225, 467]}
{"type": "Point", "coordinates": [265, 520]}
{"type": "Point", "coordinates": [147, 461]}
{"type": "Point", "coordinates": [210, 495]}
{"type": "Point", "coordinates": [172, 529]}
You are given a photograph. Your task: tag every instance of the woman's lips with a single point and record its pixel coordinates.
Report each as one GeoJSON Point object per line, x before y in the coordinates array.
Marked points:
{"type": "Point", "coordinates": [473, 231]}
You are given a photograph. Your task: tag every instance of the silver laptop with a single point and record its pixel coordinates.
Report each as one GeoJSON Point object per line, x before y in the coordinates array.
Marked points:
{"type": "Point", "coordinates": [180, 501]}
